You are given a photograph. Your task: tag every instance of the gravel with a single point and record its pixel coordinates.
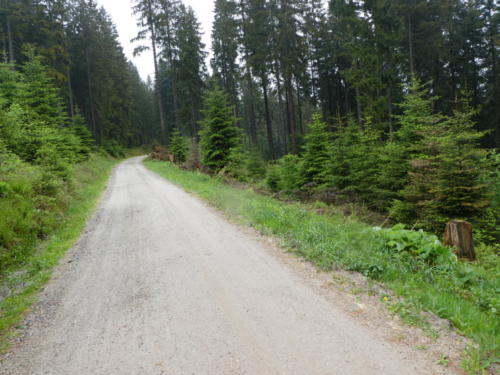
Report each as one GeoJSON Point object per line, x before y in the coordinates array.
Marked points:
{"type": "Point", "coordinates": [160, 283]}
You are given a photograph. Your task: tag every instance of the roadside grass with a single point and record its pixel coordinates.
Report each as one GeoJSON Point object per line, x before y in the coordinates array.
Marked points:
{"type": "Point", "coordinates": [19, 285]}
{"type": "Point", "coordinates": [414, 265]}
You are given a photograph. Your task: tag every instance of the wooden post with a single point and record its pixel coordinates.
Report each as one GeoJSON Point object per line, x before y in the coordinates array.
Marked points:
{"type": "Point", "coordinates": [458, 233]}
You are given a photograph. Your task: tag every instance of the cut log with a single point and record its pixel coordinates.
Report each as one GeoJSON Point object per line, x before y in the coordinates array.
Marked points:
{"type": "Point", "coordinates": [458, 234]}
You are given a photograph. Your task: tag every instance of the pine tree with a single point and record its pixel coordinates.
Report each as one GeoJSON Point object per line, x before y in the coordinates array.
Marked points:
{"type": "Point", "coordinates": [416, 118]}
{"type": "Point", "coordinates": [225, 35]}
{"type": "Point", "coordinates": [33, 125]}
{"type": "Point", "coordinates": [178, 146]}
{"type": "Point", "coordinates": [219, 134]}
{"type": "Point", "coordinates": [39, 94]}
{"type": "Point", "coordinates": [149, 21]}
{"type": "Point", "coordinates": [317, 153]}
{"type": "Point", "coordinates": [257, 34]}
{"type": "Point", "coordinates": [190, 70]}
{"type": "Point", "coordinates": [79, 127]}
{"type": "Point", "coordinates": [446, 167]}
{"type": "Point", "coordinates": [290, 52]}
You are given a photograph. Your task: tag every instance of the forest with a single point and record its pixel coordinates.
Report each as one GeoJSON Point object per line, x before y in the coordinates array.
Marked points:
{"type": "Point", "coordinates": [392, 105]}
{"type": "Point", "coordinates": [388, 107]}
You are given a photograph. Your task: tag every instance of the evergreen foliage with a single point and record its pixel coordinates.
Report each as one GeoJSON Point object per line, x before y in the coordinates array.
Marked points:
{"type": "Point", "coordinates": [34, 127]}
{"type": "Point", "coordinates": [445, 169]}
{"type": "Point", "coordinates": [38, 148]}
{"type": "Point", "coordinates": [178, 146]}
{"type": "Point", "coordinates": [81, 68]}
{"type": "Point", "coordinates": [219, 134]}
{"type": "Point", "coordinates": [285, 175]}
{"type": "Point", "coordinates": [316, 155]}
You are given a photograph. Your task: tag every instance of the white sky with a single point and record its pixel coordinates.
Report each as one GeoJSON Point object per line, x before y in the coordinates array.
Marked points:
{"type": "Point", "coordinates": [121, 13]}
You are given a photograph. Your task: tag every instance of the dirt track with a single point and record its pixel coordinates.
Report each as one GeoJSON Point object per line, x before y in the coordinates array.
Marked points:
{"type": "Point", "coordinates": [161, 284]}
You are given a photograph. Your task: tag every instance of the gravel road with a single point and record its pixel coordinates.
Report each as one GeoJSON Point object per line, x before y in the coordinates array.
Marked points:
{"type": "Point", "coordinates": [162, 284]}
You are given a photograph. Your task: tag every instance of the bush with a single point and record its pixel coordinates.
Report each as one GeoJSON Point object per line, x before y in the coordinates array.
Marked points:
{"type": "Point", "coordinates": [246, 166]}
{"type": "Point", "coordinates": [113, 148]}
{"type": "Point", "coordinates": [19, 225]}
{"type": "Point", "coordinates": [285, 174]}
{"type": "Point", "coordinates": [193, 159]}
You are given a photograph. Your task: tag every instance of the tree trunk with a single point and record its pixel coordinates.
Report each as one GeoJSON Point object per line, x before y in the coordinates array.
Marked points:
{"type": "Point", "coordinates": [251, 109]}
{"type": "Point", "coordinates": [410, 45]}
{"type": "Point", "coordinates": [11, 44]}
{"type": "Point", "coordinates": [157, 87]}
{"type": "Point", "coordinates": [299, 110]}
{"type": "Point", "coordinates": [248, 74]}
{"type": "Point", "coordinates": [290, 110]}
{"type": "Point", "coordinates": [268, 120]}
{"type": "Point", "coordinates": [70, 96]}
{"type": "Point", "coordinates": [284, 124]}
{"type": "Point", "coordinates": [458, 234]}
{"type": "Point", "coordinates": [389, 104]}
{"type": "Point", "coordinates": [91, 97]}
{"type": "Point", "coordinates": [359, 109]}
{"type": "Point", "coordinates": [4, 47]}
{"type": "Point", "coordinates": [173, 76]}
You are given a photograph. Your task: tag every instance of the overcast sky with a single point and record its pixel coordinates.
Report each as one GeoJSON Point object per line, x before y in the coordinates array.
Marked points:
{"type": "Point", "coordinates": [121, 12]}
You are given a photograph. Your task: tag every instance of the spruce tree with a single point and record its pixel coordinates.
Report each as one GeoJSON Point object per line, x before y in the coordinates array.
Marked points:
{"type": "Point", "coordinates": [178, 146]}
{"type": "Point", "coordinates": [317, 153]}
{"type": "Point", "coordinates": [149, 21]}
{"type": "Point", "coordinates": [190, 70]}
{"type": "Point", "coordinates": [219, 134]}
{"type": "Point", "coordinates": [445, 166]}
{"type": "Point", "coordinates": [39, 94]}
{"type": "Point", "coordinates": [225, 35]}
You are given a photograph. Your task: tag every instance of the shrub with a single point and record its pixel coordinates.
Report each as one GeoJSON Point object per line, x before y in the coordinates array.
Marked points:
{"type": "Point", "coordinates": [113, 148]}
{"type": "Point", "coordinates": [285, 174]}
{"type": "Point", "coordinates": [246, 166]}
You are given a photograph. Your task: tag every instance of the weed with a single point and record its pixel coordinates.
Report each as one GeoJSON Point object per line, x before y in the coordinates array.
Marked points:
{"type": "Point", "coordinates": [444, 360]}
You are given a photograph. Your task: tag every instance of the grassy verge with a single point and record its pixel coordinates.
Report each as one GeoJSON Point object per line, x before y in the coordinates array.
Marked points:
{"type": "Point", "coordinates": [21, 284]}
{"type": "Point", "coordinates": [414, 265]}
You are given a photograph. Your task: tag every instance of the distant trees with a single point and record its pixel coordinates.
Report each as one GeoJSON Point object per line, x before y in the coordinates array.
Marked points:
{"type": "Point", "coordinates": [148, 19]}
{"type": "Point", "coordinates": [388, 78]}
{"type": "Point", "coordinates": [173, 32]}
{"type": "Point", "coordinates": [282, 60]}
{"type": "Point", "coordinates": [77, 43]}
{"type": "Point", "coordinates": [361, 97]}
{"type": "Point", "coordinates": [433, 169]}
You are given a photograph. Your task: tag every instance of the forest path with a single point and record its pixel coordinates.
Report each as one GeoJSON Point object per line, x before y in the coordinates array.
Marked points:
{"type": "Point", "coordinates": [161, 284]}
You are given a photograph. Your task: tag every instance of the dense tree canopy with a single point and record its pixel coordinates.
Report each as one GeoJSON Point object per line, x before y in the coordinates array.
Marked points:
{"type": "Point", "coordinates": [77, 42]}
{"type": "Point", "coordinates": [364, 97]}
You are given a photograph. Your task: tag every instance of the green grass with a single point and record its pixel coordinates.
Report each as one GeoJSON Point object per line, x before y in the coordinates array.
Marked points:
{"type": "Point", "coordinates": [24, 281]}
{"type": "Point", "coordinates": [414, 265]}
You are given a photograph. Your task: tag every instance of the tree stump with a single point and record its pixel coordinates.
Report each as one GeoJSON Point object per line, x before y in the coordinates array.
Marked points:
{"type": "Point", "coordinates": [458, 233]}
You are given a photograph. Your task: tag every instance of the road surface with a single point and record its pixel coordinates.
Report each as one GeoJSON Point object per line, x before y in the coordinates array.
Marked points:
{"type": "Point", "coordinates": [162, 284]}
